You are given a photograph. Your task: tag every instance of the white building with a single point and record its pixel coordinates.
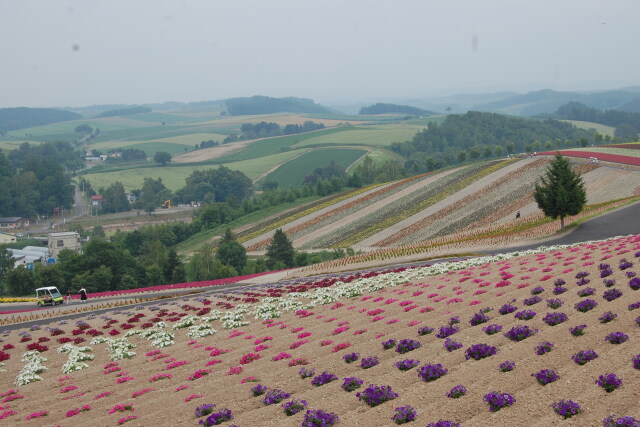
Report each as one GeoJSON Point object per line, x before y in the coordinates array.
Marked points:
{"type": "Point", "coordinates": [64, 240]}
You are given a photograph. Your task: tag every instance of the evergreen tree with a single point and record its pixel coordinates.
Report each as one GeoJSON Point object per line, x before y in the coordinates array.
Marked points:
{"type": "Point", "coordinates": [561, 191]}
{"type": "Point", "coordinates": [232, 253]}
{"type": "Point", "coordinates": [280, 250]}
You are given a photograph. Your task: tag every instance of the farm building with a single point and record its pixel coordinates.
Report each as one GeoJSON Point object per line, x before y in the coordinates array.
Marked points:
{"type": "Point", "coordinates": [96, 200]}
{"type": "Point", "coordinates": [64, 240]}
{"type": "Point", "coordinates": [14, 222]}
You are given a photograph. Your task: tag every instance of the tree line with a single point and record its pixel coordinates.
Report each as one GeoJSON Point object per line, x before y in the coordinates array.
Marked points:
{"type": "Point", "coordinates": [22, 117]}
{"type": "Point", "coordinates": [474, 135]}
{"type": "Point", "coordinates": [384, 108]}
{"type": "Point", "coordinates": [271, 129]}
{"type": "Point", "coordinates": [267, 105]}
{"type": "Point", "coordinates": [627, 124]}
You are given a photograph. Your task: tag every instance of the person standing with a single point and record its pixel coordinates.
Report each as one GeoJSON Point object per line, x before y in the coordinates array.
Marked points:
{"type": "Point", "coordinates": [83, 294]}
{"type": "Point", "coordinates": [68, 297]}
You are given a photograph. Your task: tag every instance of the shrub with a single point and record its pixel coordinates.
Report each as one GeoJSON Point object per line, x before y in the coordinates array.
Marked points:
{"type": "Point", "coordinates": [425, 330]}
{"type": "Point", "coordinates": [546, 376]}
{"type": "Point", "coordinates": [525, 315]}
{"type": "Point", "coordinates": [607, 317]}
{"type": "Point", "coordinates": [446, 331]}
{"type": "Point", "coordinates": [497, 400]}
{"type": "Point", "coordinates": [375, 395]}
{"type": "Point", "coordinates": [404, 414]}
{"type": "Point", "coordinates": [430, 373]}
{"type": "Point", "coordinates": [634, 283]}
{"type": "Point", "coordinates": [389, 344]}
{"type": "Point", "coordinates": [217, 417]}
{"type": "Point", "coordinates": [258, 390]}
{"type": "Point", "coordinates": [531, 301]}
{"type": "Point", "coordinates": [609, 382]}
{"type": "Point", "coordinates": [274, 396]}
{"type": "Point", "coordinates": [507, 308]}
{"type": "Point", "coordinates": [566, 408]}
{"type": "Point", "coordinates": [586, 292]}
{"type": "Point", "coordinates": [492, 329]}
{"type": "Point", "coordinates": [554, 303]}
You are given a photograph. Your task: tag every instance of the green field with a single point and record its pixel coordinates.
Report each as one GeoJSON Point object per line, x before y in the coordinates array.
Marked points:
{"type": "Point", "coordinates": [378, 135]}
{"type": "Point", "coordinates": [603, 129]}
{"type": "Point", "coordinates": [378, 157]}
{"type": "Point", "coordinates": [292, 173]}
{"type": "Point", "coordinates": [174, 177]}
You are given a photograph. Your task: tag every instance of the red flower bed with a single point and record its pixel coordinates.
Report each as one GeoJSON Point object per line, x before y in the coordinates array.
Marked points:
{"type": "Point", "coordinates": [616, 158]}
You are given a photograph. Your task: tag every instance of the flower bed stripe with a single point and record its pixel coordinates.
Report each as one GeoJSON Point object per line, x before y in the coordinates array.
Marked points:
{"type": "Point", "coordinates": [615, 158]}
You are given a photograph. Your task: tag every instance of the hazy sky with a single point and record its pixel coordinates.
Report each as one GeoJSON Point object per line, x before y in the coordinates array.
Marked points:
{"type": "Point", "coordinates": [77, 53]}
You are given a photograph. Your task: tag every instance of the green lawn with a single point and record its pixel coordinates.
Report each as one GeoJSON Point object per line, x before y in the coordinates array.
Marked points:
{"type": "Point", "coordinates": [292, 173]}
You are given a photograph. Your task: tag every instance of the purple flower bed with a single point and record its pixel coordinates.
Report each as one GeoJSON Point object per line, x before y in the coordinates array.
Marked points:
{"type": "Point", "coordinates": [444, 423]}
{"type": "Point", "coordinates": [559, 282]}
{"type": "Point", "coordinates": [323, 378]}
{"type": "Point", "coordinates": [258, 390]}
{"type": "Point", "coordinates": [537, 290]}
{"type": "Point", "coordinates": [492, 329]}
{"type": "Point", "coordinates": [507, 308]}
{"type": "Point", "coordinates": [446, 331]}
{"type": "Point", "coordinates": [451, 345]}
{"type": "Point", "coordinates": [635, 361]}
{"type": "Point", "coordinates": [478, 319]}
{"type": "Point", "coordinates": [430, 373]}
{"type": "Point", "coordinates": [607, 317]}
{"type": "Point", "coordinates": [306, 372]}
{"type": "Point", "coordinates": [611, 421]}
{"type": "Point", "coordinates": [581, 274]}
{"type": "Point", "coordinates": [566, 408]}
{"type": "Point", "coordinates": [217, 418]}
{"type": "Point", "coordinates": [617, 337]}
{"type": "Point", "coordinates": [531, 301]}
{"type": "Point", "coordinates": [480, 351]}
{"type": "Point", "coordinates": [612, 294]}
{"type": "Point", "coordinates": [583, 281]}
{"type": "Point", "coordinates": [559, 290]}
{"type": "Point", "coordinates": [369, 362]}
{"type": "Point", "coordinates": [525, 315]}
{"type": "Point", "coordinates": [389, 344]}
{"type": "Point", "coordinates": [497, 400]}
{"type": "Point", "coordinates": [351, 383]}
{"type": "Point", "coordinates": [634, 283]}
{"type": "Point", "coordinates": [319, 417]}
{"type": "Point", "coordinates": [554, 303]}
{"type": "Point", "coordinates": [375, 395]}
{"type": "Point", "coordinates": [543, 348]}
{"type": "Point", "coordinates": [555, 318]}
{"type": "Point", "coordinates": [294, 406]}
{"type": "Point", "coordinates": [351, 357]}
{"type": "Point", "coordinates": [507, 366]}
{"type": "Point", "coordinates": [609, 382]}
{"type": "Point", "coordinates": [577, 331]}
{"type": "Point", "coordinates": [425, 330]}
{"type": "Point", "coordinates": [405, 365]}
{"type": "Point", "coordinates": [634, 306]}
{"type": "Point", "coordinates": [624, 264]}
{"type": "Point", "coordinates": [586, 292]}
{"type": "Point", "coordinates": [546, 376]}
{"type": "Point", "coordinates": [520, 332]}
{"type": "Point", "coordinates": [586, 305]}
{"type": "Point", "coordinates": [204, 409]}
{"type": "Point", "coordinates": [407, 345]}
{"type": "Point", "coordinates": [404, 414]}
{"type": "Point", "coordinates": [457, 391]}
{"type": "Point", "coordinates": [609, 282]}
{"type": "Point", "coordinates": [584, 356]}
{"type": "Point", "coordinates": [274, 396]}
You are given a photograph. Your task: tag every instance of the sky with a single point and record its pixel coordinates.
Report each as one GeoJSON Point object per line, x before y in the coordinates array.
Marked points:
{"type": "Point", "coordinates": [78, 53]}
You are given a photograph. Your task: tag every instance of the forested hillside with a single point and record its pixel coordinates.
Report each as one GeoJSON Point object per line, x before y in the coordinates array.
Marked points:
{"type": "Point", "coordinates": [627, 124]}
{"type": "Point", "coordinates": [266, 105]}
{"type": "Point", "coordinates": [475, 134]}
{"type": "Point", "coordinates": [22, 117]}
{"type": "Point", "coordinates": [382, 108]}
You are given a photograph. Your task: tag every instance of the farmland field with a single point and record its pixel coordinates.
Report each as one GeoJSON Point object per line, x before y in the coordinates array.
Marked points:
{"type": "Point", "coordinates": [378, 135]}
{"type": "Point", "coordinates": [292, 173]}
{"type": "Point", "coordinates": [173, 176]}
{"type": "Point", "coordinates": [603, 129]}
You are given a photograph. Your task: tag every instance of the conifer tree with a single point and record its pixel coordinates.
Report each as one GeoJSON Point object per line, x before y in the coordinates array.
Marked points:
{"type": "Point", "coordinates": [232, 253]}
{"type": "Point", "coordinates": [560, 192]}
{"type": "Point", "coordinates": [280, 250]}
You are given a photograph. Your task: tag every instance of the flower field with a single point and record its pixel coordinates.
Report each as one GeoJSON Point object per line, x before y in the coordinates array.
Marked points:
{"type": "Point", "coordinates": [544, 337]}
{"type": "Point", "coordinates": [453, 205]}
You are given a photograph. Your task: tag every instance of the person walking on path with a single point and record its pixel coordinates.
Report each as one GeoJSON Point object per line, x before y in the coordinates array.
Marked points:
{"type": "Point", "coordinates": [83, 294]}
{"type": "Point", "coordinates": [68, 297]}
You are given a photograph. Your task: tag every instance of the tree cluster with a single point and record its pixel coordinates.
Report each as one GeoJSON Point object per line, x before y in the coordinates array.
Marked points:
{"type": "Point", "coordinates": [476, 135]}
{"type": "Point", "coordinates": [22, 117]}
{"type": "Point", "coordinates": [627, 124]}
{"type": "Point", "coordinates": [124, 112]}
{"type": "Point", "coordinates": [267, 105]}
{"type": "Point", "coordinates": [383, 108]}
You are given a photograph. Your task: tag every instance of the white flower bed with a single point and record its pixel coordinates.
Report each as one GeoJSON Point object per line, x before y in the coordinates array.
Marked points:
{"type": "Point", "coordinates": [34, 365]}
{"type": "Point", "coordinates": [77, 356]}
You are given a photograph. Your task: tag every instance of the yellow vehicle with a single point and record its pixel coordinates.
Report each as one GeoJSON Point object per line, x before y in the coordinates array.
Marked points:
{"type": "Point", "coordinates": [166, 204]}
{"type": "Point", "coordinates": [49, 295]}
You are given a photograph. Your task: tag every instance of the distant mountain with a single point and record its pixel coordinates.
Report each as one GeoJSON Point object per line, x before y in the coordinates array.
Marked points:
{"type": "Point", "coordinates": [383, 108]}
{"type": "Point", "coordinates": [22, 117]}
{"type": "Point", "coordinates": [124, 111]}
{"type": "Point", "coordinates": [267, 105]}
{"type": "Point", "coordinates": [548, 101]}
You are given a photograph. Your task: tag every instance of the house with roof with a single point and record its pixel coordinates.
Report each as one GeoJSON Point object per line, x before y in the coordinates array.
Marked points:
{"type": "Point", "coordinates": [96, 200]}
{"type": "Point", "coordinates": [14, 222]}
{"type": "Point", "coordinates": [57, 242]}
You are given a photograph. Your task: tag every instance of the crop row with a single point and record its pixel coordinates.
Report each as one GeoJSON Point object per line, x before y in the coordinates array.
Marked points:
{"type": "Point", "coordinates": [615, 158]}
